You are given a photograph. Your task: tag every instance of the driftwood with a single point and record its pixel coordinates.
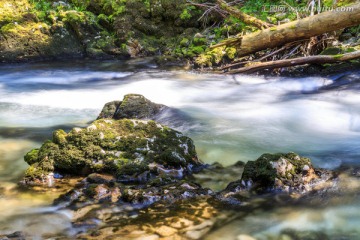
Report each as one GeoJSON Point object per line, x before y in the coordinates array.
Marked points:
{"type": "Point", "coordinates": [319, 59]}
{"type": "Point", "coordinates": [250, 20]}
{"type": "Point", "coordinates": [293, 31]}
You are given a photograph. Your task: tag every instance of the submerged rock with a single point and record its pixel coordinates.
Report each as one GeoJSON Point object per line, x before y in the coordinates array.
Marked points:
{"type": "Point", "coordinates": [133, 106]}
{"type": "Point", "coordinates": [14, 236]}
{"type": "Point", "coordinates": [217, 177]}
{"type": "Point", "coordinates": [129, 150]}
{"type": "Point", "coordinates": [188, 219]}
{"type": "Point", "coordinates": [94, 189]}
{"type": "Point", "coordinates": [103, 189]}
{"type": "Point", "coordinates": [167, 193]}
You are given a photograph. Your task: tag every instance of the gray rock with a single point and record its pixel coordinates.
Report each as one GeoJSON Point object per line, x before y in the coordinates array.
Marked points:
{"type": "Point", "coordinates": [133, 106]}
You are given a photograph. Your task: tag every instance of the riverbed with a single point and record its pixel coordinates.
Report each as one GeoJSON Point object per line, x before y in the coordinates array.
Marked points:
{"type": "Point", "coordinates": [230, 119]}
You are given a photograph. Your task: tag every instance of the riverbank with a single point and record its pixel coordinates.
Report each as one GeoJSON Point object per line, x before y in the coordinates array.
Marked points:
{"type": "Point", "coordinates": [170, 32]}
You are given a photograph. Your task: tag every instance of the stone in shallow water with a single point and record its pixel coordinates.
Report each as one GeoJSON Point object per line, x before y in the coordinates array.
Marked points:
{"type": "Point", "coordinates": [280, 172]}
{"type": "Point", "coordinates": [165, 231]}
{"type": "Point", "coordinates": [288, 175]}
{"type": "Point", "coordinates": [133, 106]}
{"type": "Point", "coordinates": [129, 150]}
{"type": "Point", "coordinates": [181, 223]}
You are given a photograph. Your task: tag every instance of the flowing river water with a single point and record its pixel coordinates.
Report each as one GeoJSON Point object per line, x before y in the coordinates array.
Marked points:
{"type": "Point", "coordinates": [230, 118]}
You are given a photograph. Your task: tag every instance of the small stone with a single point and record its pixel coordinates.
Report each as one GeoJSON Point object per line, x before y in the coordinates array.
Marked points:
{"type": "Point", "coordinates": [115, 195]}
{"type": "Point", "coordinates": [137, 233]}
{"type": "Point", "coordinates": [165, 231]}
{"type": "Point", "coordinates": [182, 223]}
{"type": "Point", "coordinates": [200, 226]}
{"type": "Point", "coordinates": [101, 192]}
{"type": "Point", "coordinates": [100, 178]}
{"type": "Point", "coordinates": [83, 211]}
{"type": "Point", "coordinates": [206, 213]}
{"type": "Point", "coordinates": [92, 127]}
{"type": "Point", "coordinates": [198, 35]}
{"type": "Point", "coordinates": [306, 168]}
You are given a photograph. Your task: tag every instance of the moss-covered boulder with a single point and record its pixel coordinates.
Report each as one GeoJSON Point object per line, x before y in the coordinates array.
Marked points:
{"type": "Point", "coordinates": [129, 150]}
{"type": "Point", "coordinates": [132, 106]}
{"type": "Point", "coordinates": [280, 172]}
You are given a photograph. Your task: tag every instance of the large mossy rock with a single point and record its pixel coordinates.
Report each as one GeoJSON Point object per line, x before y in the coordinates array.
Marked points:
{"type": "Point", "coordinates": [132, 106]}
{"type": "Point", "coordinates": [130, 150]}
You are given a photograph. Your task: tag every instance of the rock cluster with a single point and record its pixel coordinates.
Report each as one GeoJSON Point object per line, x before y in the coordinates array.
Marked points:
{"type": "Point", "coordinates": [130, 164]}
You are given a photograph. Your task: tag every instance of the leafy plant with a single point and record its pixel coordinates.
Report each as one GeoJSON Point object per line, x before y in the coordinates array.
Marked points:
{"type": "Point", "coordinates": [186, 13]}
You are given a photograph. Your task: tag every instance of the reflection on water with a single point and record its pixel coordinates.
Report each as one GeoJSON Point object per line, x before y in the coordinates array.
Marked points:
{"type": "Point", "coordinates": [231, 118]}
{"type": "Point", "coordinates": [338, 222]}
{"type": "Point", "coordinates": [30, 212]}
{"type": "Point", "coordinates": [11, 158]}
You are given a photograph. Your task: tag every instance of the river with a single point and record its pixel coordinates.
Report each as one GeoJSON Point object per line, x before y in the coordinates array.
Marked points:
{"type": "Point", "coordinates": [230, 118]}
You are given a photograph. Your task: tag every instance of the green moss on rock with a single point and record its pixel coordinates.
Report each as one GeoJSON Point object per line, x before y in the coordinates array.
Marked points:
{"type": "Point", "coordinates": [184, 42]}
{"type": "Point", "coordinates": [59, 137]}
{"type": "Point", "coordinates": [132, 106]}
{"type": "Point", "coordinates": [32, 156]}
{"type": "Point", "coordinates": [124, 148]}
{"type": "Point", "coordinates": [199, 41]}
{"type": "Point", "coordinates": [278, 171]}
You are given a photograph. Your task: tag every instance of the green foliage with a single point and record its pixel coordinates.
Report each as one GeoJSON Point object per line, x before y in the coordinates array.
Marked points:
{"type": "Point", "coordinates": [186, 13]}
{"type": "Point", "coordinates": [80, 5]}
{"type": "Point", "coordinates": [215, 56]}
{"type": "Point", "coordinates": [199, 41]}
{"type": "Point", "coordinates": [230, 52]}
{"type": "Point", "coordinates": [41, 5]}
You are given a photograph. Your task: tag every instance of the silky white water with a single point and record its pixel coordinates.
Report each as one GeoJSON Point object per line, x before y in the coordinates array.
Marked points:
{"type": "Point", "coordinates": [230, 118]}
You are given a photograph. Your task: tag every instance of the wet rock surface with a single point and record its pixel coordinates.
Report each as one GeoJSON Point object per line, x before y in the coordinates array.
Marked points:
{"type": "Point", "coordinates": [217, 177]}
{"type": "Point", "coordinates": [133, 106]}
{"type": "Point", "coordinates": [170, 208]}
{"type": "Point", "coordinates": [130, 150]}
{"type": "Point", "coordinates": [136, 106]}
{"type": "Point", "coordinates": [280, 172]}
{"type": "Point", "coordinates": [288, 175]}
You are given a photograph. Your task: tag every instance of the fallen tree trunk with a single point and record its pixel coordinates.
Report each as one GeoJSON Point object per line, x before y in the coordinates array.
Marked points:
{"type": "Point", "coordinates": [293, 31]}
{"type": "Point", "coordinates": [250, 20]}
{"type": "Point", "coordinates": [319, 59]}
